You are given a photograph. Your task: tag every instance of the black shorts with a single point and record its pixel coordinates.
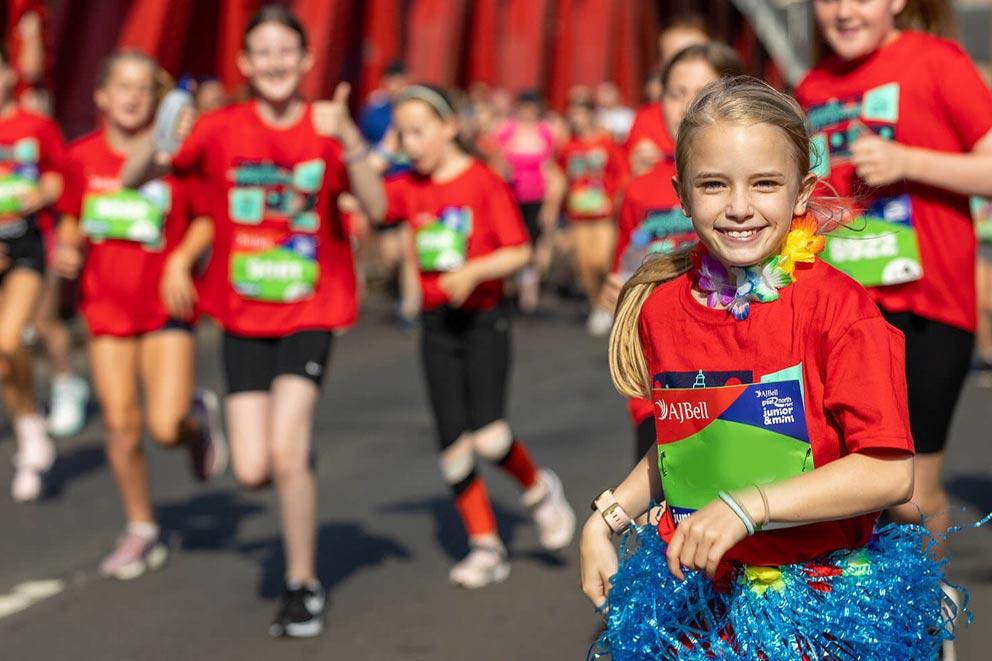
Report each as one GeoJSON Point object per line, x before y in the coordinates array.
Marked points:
{"type": "Point", "coordinates": [26, 251]}
{"type": "Point", "coordinates": [252, 363]}
{"type": "Point", "coordinates": [938, 358]}
{"type": "Point", "coordinates": [466, 358]}
{"type": "Point", "coordinates": [530, 211]}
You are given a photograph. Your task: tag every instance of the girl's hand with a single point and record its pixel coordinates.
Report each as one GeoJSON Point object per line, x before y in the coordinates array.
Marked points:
{"type": "Point", "coordinates": [177, 289]}
{"type": "Point", "coordinates": [458, 285]}
{"type": "Point", "coordinates": [878, 162]}
{"type": "Point", "coordinates": [610, 292]}
{"type": "Point", "coordinates": [67, 260]}
{"type": "Point", "coordinates": [597, 559]}
{"type": "Point", "coordinates": [32, 201]}
{"type": "Point", "coordinates": [331, 118]}
{"type": "Point", "coordinates": [701, 540]}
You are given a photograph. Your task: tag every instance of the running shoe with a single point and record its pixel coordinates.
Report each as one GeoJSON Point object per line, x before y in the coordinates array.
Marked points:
{"type": "Point", "coordinates": [301, 613]}
{"type": "Point", "coordinates": [554, 517]}
{"type": "Point", "coordinates": [67, 412]}
{"type": "Point", "coordinates": [208, 450]}
{"type": "Point", "coordinates": [35, 457]}
{"type": "Point", "coordinates": [599, 323]}
{"type": "Point", "coordinates": [484, 565]}
{"type": "Point", "coordinates": [134, 555]}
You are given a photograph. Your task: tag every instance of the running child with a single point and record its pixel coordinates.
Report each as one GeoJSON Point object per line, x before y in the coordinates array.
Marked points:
{"type": "Point", "coordinates": [469, 237]}
{"type": "Point", "coordinates": [123, 243]}
{"type": "Point", "coordinates": [781, 424]}
{"type": "Point", "coordinates": [281, 279]}
{"type": "Point", "coordinates": [32, 161]}
{"type": "Point", "coordinates": [911, 143]}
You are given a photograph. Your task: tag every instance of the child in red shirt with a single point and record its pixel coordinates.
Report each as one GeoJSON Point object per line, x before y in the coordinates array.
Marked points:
{"type": "Point", "coordinates": [651, 219]}
{"type": "Point", "coordinates": [120, 242]}
{"type": "Point", "coordinates": [31, 178]}
{"type": "Point", "coordinates": [592, 170]}
{"type": "Point", "coordinates": [781, 424]}
{"type": "Point", "coordinates": [468, 237]}
{"type": "Point", "coordinates": [281, 279]}
{"type": "Point", "coordinates": [910, 143]}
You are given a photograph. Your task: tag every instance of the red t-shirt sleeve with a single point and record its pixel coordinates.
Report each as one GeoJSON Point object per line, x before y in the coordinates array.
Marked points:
{"type": "Point", "coordinates": [396, 207]}
{"type": "Point", "coordinates": [508, 224]}
{"type": "Point", "coordinates": [865, 387]}
{"type": "Point", "coordinates": [963, 95]}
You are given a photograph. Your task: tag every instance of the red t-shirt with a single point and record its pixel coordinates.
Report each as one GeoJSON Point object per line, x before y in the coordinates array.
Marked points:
{"type": "Point", "coordinates": [649, 124]}
{"type": "Point", "coordinates": [825, 332]}
{"type": "Point", "coordinates": [943, 105]}
{"type": "Point", "coordinates": [651, 208]}
{"type": "Point", "coordinates": [594, 171]}
{"type": "Point", "coordinates": [478, 204]}
{"type": "Point", "coordinates": [119, 287]}
{"type": "Point", "coordinates": [30, 146]}
{"type": "Point", "coordinates": [282, 259]}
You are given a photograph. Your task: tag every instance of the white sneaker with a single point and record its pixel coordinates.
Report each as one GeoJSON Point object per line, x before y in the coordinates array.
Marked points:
{"type": "Point", "coordinates": [484, 565]}
{"type": "Point", "coordinates": [599, 323]}
{"type": "Point", "coordinates": [554, 517]}
{"type": "Point", "coordinates": [133, 555]}
{"type": "Point", "coordinates": [35, 456]}
{"type": "Point", "coordinates": [67, 414]}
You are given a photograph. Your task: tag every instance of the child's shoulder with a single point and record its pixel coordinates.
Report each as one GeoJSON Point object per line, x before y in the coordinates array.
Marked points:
{"type": "Point", "coordinates": [664, 301]}
{"type": "Point", "coordinates": [833, 294]}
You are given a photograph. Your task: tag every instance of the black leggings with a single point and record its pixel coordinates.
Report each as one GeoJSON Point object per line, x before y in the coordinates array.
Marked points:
{"type": "Point", "coordinates": [466, 358]}
{"type": "Point", "coordinates": [938, 357]}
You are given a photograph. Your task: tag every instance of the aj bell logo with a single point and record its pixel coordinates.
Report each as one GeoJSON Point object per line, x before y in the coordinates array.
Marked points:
{"type": "Point", "coordinates": [682, 411]}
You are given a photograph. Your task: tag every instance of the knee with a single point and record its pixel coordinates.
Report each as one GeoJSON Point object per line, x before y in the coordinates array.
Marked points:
{"type": "Point", "coordinates": [493, 441]}
{"type": "Point", "coordinates": [252, 476]}
{"type": "Point", "coordinates": [164, 429]}
{"type": "Point", "coordinates": [123, 425]}
{"type": "Point", "coordinates": [290, 463]}
{"type": "Point", "coordinates": [10, 345]}
{"type": "Point", "coordinates": [457, 461]}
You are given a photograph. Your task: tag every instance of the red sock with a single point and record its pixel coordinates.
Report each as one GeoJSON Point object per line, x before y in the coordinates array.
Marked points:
{"type": "Point", "coordinates": [475, 510]}
{"type": "Point", "coordinates": [518, 463]}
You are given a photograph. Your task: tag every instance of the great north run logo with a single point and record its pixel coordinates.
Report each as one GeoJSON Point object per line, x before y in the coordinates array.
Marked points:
{"type": "Point", "coordinates": [682, 411]}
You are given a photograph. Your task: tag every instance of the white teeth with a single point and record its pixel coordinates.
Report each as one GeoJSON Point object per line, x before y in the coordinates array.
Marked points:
{"type": "Point", "coordinates": [736, 234]}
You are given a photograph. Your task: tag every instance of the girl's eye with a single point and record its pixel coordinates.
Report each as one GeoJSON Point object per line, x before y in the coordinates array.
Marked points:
{"type": "Point", "coordinates": [767, 184]}
{"type": "Point", "coordinates": [711, 185]}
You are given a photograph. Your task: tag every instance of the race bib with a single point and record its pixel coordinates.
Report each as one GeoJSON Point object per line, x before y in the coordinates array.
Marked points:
{"type": "Point", "coordinates": [589, 200]}
{"type": "Point", "coordinates": [721, 439]}
{"type": "Point", "coordinates": [127, 215]}
{"type": "Point", "coordinates": [273, 266]}
{"type": "Point", "coordinates": [13, 188]}
{"type": "Point", "coordinates": [882, 247]}
{"type": "Point", "coordinates": [442, 244]}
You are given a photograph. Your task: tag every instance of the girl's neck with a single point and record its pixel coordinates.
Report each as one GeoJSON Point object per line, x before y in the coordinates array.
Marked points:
{"type": "Point", "coordinates": [454, 163]}
{"type": "Point", "coordinates": [7, 107]}
{"type": "Point", "coordinates": [122, 141]}
{"type": "Point", "coordinates": [282, 114]}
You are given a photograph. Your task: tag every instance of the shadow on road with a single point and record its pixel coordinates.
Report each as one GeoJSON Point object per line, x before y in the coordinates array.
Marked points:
{"type": "Point", "coordinates": [342, 549]}
{"type": "Point", "coordinates": [72, 465]}
{"type": "Point", "coordinates": [207, 521]}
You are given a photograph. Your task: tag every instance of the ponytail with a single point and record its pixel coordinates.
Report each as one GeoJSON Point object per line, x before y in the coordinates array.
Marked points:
{"type": "Point", "coordinates": [628, 367]}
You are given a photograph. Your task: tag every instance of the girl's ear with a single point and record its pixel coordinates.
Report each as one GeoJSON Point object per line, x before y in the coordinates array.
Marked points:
{"type": "Point", "coordinates": [805, 192]}
{"type": "Point", "coordinates": [683, 202]}
{"type": "Point", "coordinates": [244, 64]}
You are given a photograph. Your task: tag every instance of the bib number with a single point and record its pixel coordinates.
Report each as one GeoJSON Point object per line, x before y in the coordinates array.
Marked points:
{"type": "Point", "coordinates": [442, 245]}
{"type": "Point", "coordinates": [13, 188]}
{"type": "Point", "coordinates": [127, 215]}
{"type": "Point", "coordinates": [274, 266]}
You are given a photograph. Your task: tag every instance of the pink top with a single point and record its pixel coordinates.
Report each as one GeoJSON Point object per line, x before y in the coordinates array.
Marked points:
{"type": "Point", "coordinates": [526, 154]}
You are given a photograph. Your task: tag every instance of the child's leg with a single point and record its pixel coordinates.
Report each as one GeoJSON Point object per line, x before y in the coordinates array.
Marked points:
{"type": "Point", "coordinates": [249, 368]}
{"type": "Point", "coordinates": [167, 371]}
{"type": "Point", "coordinates": [115, 378]}
{"type": "Point", "coordinates": [69, 392]}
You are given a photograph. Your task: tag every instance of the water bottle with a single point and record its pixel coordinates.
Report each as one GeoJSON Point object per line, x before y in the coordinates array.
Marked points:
{"type": "Point", "coordinates": [169, 111]}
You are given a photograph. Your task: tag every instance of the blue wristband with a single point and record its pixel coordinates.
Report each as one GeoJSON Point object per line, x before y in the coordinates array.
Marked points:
{"type": "Point", "coordinates": [738, 510]}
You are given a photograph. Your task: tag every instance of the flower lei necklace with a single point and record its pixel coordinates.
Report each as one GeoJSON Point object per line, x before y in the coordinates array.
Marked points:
{"type": "Point", "coordinates": [735, 287]}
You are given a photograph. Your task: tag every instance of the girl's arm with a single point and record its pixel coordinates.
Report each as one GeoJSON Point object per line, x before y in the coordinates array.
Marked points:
{"type": "Point", "coordinates": [499, 264]}
{"type": "Point", "coordinates": [144, 165]}
{"type": "Point", "coordinates": [365, 180]}
{"type": "Point", "coordinates": [855, 484]}
{"type": "Point", "coordinates": [49, 190]}
{"type": "Point", "coordinates": [176, 287]}
{"type": "Point", "coordinates": [598, 557]}
{"type": "Point", "coordinates": [882, 162]}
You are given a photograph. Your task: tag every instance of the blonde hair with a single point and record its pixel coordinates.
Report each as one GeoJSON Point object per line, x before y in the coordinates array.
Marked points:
{"type": "Point", "coordinates": [740, 100]}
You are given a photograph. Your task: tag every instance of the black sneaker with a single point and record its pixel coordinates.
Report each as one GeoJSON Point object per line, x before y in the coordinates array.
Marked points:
{"type": "Point", "coordinates": [208, 451]}
{"type": "Point", "coordinates": [301, 613]}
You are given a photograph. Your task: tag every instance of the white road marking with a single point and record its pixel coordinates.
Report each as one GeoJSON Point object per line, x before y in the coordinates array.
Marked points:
{"type": "Point", "coordinates": [27, 594]}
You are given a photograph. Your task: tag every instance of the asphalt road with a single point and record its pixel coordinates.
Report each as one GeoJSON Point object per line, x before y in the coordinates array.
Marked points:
{"type": "Point", "coordinates": [388, 530]}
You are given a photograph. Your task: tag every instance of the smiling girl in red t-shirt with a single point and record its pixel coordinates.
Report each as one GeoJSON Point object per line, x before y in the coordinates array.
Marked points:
{"type": "Point", "coordinates": [780, 418]}
{"type": "Point", "coordinates": [281, 279]}
{"type": "Point", "coordinates": [468, 238]}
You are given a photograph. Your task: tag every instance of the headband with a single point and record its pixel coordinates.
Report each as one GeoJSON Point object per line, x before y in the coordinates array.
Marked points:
{"type": "Point", "coordinates": [428, 96]}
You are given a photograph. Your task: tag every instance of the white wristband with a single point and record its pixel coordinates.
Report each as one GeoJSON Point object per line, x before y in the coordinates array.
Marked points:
{"type": "Point", "coordinates": [616, 518]}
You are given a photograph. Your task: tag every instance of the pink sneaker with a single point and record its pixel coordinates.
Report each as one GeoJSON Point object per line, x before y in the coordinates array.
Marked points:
{"type": "Point", "coordinates": [133, 556]}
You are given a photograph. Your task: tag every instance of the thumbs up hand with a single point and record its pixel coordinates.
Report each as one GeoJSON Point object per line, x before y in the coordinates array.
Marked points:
{"type": "Point", "coordinates": [332, 118]}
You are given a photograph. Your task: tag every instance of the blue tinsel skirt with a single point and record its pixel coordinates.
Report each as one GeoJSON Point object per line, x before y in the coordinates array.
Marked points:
{"type": "Point", "coordinates": [882, 601]}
